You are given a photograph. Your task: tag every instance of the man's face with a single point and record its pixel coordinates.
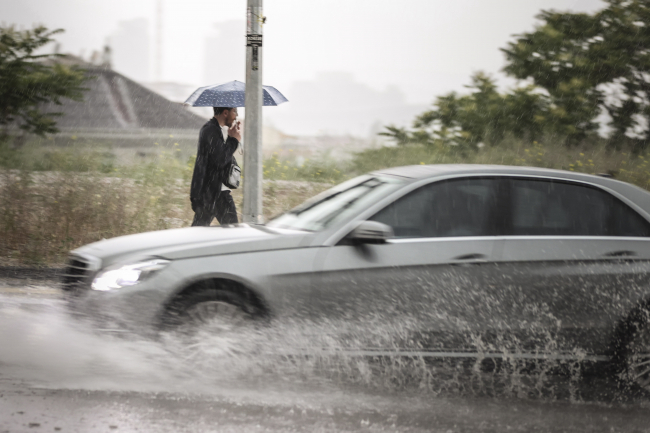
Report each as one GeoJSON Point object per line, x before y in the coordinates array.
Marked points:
{"type": "Point", "coordinates": [231, 116]}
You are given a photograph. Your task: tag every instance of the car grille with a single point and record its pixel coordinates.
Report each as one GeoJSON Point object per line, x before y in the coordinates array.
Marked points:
{"type": "Point", "coordinates": [76, 274]}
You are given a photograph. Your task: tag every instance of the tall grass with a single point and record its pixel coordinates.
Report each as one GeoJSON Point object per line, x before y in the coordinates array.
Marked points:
{"type": "Point", "coordinates": [44, 215]}
{"type": "Point", "coordinates": [58, 199]}
{"type": "Point", "coordinates": [53, 199]}
{"type": "Point", "coordinates": [587, 158]}
{"type": "Point", "coordinates": [33, 156]}
{"type": "Point", "coordinates": [319, 169]}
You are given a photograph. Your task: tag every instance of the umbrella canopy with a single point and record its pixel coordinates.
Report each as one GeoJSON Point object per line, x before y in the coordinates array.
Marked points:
{"type": "Point", "coordinates": [231, 95]}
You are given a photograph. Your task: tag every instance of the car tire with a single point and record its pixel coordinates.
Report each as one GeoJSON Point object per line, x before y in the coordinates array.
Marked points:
{"type": "Point", "coordinates": [634, 351]}
{"type": "Point", "coordinates": [222, 310]}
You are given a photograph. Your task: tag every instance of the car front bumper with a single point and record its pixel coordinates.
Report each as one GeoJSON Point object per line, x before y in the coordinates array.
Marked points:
{"type": "Point", "coordinates": [134, 308]}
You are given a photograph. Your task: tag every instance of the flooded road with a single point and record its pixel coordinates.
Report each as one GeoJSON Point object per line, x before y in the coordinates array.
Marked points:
{"type": "Point", "coordinates": [24, 408]}
{"type": "Point", "coordinates": [58, 375]}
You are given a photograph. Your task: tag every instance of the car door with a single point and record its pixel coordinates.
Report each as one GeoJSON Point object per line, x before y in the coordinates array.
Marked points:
{"type": "Point", "coordinates": [572, 253]}
{"type": "Point", "coordinates": [422, 288]}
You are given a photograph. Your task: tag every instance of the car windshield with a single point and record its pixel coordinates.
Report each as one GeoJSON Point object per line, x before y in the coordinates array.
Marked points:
{"type": "Point", "coordinates": [337, 203]}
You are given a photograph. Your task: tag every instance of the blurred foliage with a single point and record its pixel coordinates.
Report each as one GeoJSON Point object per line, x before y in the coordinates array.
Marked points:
{"type": "Point", "coordinates": [34, 157]}
{"type": "Point", "coordinates": [320, 169]}
{"type": "Point", "coordinates": [591, 62]}
{"type": "Point", "coordinates": [54, 199]}
{"type": "Point", "coordinates": [28, 80]}
{"type": "Point", "coordinates": [580, 65]}
{"type": "Point", "coordinates": [590, 157]}
{"type": "Point", "coordinates": [484, 116]}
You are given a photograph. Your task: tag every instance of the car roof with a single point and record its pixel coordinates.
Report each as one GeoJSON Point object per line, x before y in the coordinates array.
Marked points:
{"type": "Point", "coordinates": [425, 171]}
{"type": "Point", "coordinates": [638, 196]}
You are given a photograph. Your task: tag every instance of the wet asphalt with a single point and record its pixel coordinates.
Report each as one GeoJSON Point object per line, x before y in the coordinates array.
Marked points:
{"type": "Point", "coordinates": [54, 379]}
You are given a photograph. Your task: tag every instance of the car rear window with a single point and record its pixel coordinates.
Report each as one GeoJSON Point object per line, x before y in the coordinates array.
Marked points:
{"type": "Point", "coordinates": [555, 208]}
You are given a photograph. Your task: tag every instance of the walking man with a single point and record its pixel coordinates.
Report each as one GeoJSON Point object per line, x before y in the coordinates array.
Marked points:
{"type": "Point", "coordinates": [209, 196]}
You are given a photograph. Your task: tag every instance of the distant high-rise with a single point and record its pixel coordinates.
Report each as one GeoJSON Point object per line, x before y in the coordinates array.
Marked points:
{"type": "Point", "coordinates": [159, 30]}
{"type": "Point", "coordinates": [225, 53]}
{"type": "Point", "coordinates": [130, 49]}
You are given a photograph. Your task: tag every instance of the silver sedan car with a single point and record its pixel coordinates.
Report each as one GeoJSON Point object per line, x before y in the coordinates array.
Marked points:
{"type": "Point", "coordinates": [487, 261]}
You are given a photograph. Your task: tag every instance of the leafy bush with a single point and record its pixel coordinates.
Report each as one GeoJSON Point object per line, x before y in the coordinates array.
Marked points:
{"type": "Point", "coordinates": [573, 67]}
{"type": "Point", "coordinates": [483, 117]}
{"type": "Point", "coordinates": [321, 169]}
{"type": "Point", "coordinates": [54, 200]}
{"type": "Point", "coordinates": [29, 80]}
{"type": "Point", "coordinates": [32, 157]}
{"type": "Point", "coordinates": [594, 158]}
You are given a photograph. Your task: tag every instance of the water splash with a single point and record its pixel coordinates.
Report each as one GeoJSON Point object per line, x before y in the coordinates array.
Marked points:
{"type": "Point", "coordinates": [42, 344]}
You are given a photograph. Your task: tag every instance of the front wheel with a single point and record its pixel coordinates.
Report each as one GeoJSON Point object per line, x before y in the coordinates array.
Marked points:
{"type": "Point", "coordinates": [219, 310]}
{"type": "Point", "coordinates": [210, 323]}
{"type": "Point", "coordinates": [219, 314]}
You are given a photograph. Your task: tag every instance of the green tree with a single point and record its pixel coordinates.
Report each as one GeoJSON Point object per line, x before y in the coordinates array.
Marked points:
{"type": "Point", "coordinates": [527, 113]}
{"type": "Point", "coordinates": [482, 116]}
{"type": "Point", "coordinates": [29, 80]}
{"type": "Point", "coordinates": [588, 63]}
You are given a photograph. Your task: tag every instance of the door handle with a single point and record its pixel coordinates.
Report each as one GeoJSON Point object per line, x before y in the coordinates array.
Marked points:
{"type": "Point", "coordinates": [469, 259]}
{"type": "Point", "coordinates": [620, 254]}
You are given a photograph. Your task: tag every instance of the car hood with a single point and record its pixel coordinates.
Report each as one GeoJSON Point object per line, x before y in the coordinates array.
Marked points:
{"type": "Point", "coordinates": [192, 242]}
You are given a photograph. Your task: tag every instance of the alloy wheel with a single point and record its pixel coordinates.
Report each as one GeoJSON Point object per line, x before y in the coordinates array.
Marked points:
{"type": "Point", "coordinates": [218, 315]}
{"type": "Point", "coordinates": [638, 360]}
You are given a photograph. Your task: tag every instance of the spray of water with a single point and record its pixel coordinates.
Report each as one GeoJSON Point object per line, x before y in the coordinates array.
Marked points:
{"type": "Point", "coordinates": [40, 342]}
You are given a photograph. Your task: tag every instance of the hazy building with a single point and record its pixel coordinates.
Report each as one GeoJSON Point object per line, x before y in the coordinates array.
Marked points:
{"type": "Point", "coordinates": [335, 103]}
{"type": "Point", "coordinates": [130, 49]}
{"type": "Point", "coordinates": [115, 104]}
{"type": "Point", "coordinates": [124, 118]}
{"type": "Point", "coordinates": [176, 92]}
{"type": "Point", "coordinates": [224, 53]}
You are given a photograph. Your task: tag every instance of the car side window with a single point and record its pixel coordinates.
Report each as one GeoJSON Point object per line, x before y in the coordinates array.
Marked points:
{"type": "Point", "coordinates": [554, 208]}
{"type": "Point", "coordinates": [458, 207]}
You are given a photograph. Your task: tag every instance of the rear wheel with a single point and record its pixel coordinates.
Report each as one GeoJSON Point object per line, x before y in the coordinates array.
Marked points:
{"type": "Point", "coordinates": [633, 353]}
{"type": "Point", "coordinates": [637, 359]}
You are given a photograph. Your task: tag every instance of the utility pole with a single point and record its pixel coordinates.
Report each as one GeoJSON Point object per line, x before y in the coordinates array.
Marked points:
{"type": "Point", "coordinates": [252, 212]}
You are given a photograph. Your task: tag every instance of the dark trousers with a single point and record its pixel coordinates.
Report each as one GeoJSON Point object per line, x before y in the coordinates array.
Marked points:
{"type": "Point", "coordinates": [224, 210]}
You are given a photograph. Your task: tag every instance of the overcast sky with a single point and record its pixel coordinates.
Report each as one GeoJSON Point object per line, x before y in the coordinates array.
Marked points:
{"type": "Point", "coordinates": [422, 48]}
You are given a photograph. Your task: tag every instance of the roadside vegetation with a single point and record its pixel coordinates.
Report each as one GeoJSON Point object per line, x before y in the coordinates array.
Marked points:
{"type": "Point", "coordinates": [29, 80]}
{"type": "Point", "coordinates": [75, 196]}
{"type": "Point", "coordinates": [625, 165]}
{"type": "Point", "coordinates": [61, 198]}
{"type": "Point", "coordinates": [572, 68]}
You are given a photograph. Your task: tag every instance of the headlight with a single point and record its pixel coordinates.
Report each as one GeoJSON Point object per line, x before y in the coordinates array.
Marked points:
{"type": "Point", "coordinates": [127, 275]}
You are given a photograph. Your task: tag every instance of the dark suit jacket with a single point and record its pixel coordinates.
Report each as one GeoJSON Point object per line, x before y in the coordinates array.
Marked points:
{"type": "Point", "coordinates": [213, 158]}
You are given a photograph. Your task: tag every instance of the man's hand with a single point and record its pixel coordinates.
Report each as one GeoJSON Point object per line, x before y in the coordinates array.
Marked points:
{"type": "Point", "coordinates": [235, 130]}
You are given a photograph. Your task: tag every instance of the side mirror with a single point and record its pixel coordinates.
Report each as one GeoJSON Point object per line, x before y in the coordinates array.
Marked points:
{"type": "Point", "coordinates": [370, 232]}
